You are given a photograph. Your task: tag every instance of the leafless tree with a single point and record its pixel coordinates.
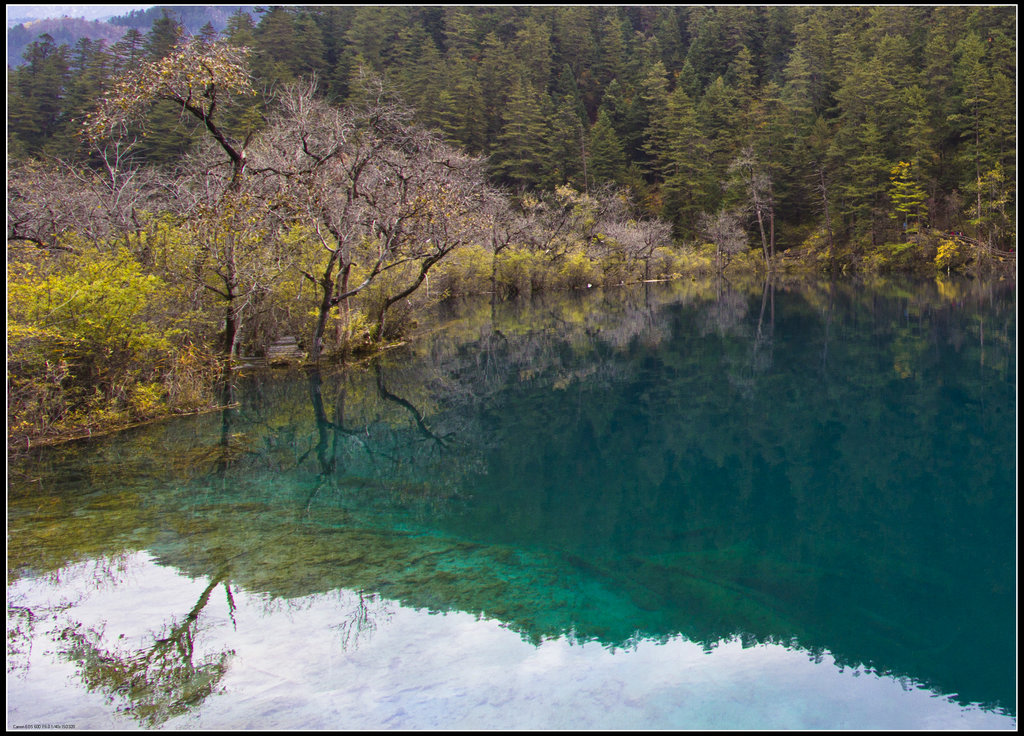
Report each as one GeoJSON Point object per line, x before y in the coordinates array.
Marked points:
{"type": "Point", "coordinates": [47, 200]}
{"type": "Point", "coordinates": [374, 192]}
{"type": "Point", "coordinates": [758, 184]}
{"type": "Point", "coordinates": [233, 236]}
{"type": "Point", "coordinates": [639, 238]}
{"type": "Point", "coordinates": [725, 230]}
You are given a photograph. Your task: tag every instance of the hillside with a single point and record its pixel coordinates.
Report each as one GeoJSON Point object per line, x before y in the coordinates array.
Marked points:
{"type": "Point", "coordinates": [69, 30]}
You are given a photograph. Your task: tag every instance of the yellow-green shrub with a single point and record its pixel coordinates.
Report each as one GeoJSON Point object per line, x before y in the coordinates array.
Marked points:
{"type": "Point", "coordinates": [519, 271]}
{"type": "Point", "coordinates": [576, 271]}
{"type": "Point", "coordinates": [464, 271]}
{"type": "Point", "coordinates": [952, 255]}
{"type": "Point", "coordinates": [89, 337]}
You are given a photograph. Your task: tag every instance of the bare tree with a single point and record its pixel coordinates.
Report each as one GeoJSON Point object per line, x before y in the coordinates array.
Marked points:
{"type": "Point", "coordinates": [639, 238]}
{"type": "Point", "coordinates": [375, 193]}
{"type": "Point", "coordinates": [47, 200]}
{"type": "Point", "coordinates": [725, 230]}
{"type": "Point", "coordinates": [233, 232]}
{"type": "Point", "coordinates": [198, 77]}
{"type": "Point", "coordinates": [758, 184]}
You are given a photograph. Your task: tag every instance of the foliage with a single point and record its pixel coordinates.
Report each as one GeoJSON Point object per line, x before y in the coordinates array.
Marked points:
{"type": "Point", "coordinates": [467, 271]}
{"type": "Point", "coordinates": [952, 255]}
{"type": "Point", "coordinates": [93, 339]}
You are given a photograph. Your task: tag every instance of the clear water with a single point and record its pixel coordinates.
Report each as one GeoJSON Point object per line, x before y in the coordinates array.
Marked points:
{"type": "Point", "coordinates": [676, 506]}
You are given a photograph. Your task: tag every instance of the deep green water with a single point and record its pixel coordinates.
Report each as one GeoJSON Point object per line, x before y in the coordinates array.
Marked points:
{"type": "Point", "coordinates": [672, 506]}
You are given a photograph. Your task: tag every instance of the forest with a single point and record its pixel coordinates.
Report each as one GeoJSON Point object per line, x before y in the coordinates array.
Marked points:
{"type": "Point", "coordinates": [176, 198]}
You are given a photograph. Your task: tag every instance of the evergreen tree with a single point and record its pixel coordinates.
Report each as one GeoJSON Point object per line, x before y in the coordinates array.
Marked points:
{"type": "Point", "coordinates": [463, 107]}
{"type": "Point", "coordinates": [128, 52]}
{"type": "Point", "coordinates": [680, 153]}
{"type": "Point", "coordinates": [568, 144]}
{"type": "Point", "coordinates": [532, 47]}
{"type": "Point", "coordinates": [907, 197]}
{"type": "Point", "coordinates": [607, 159]}
{"type": "Point", "coordinates": [718, 112]}
{"type": "Point", "coordinates": [496, 75]}
{"type": "Point", "coordinates": [276, 58]}
{"type": "Point", "coordinates": [36, 95]}
{"type": "Point", "coordinates": [652, 96]}
{"type": "Point", "coordinates": [611, 63]}
{"type": "Point", "coordinates": [240, 30]}
{"type": "Point", "coordinates": [165, 34]}
{"type": "Point", "coordinates": [863, 180]}
{"type": "Point", "coordinates": [971, 119]}
{"type": "Point", "coordinates": [521, 151]}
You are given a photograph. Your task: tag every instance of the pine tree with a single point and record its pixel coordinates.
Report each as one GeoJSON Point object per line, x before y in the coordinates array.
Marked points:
{"type": "Point", "coordinates": [467, 122]}
{"type": "Point", "coordinates": [607, 159]}
{"type": "Point", "coordinates": [863, 179]}
{"type": "Point", "coordinates": [275, 48]}
{"type": "Point", "coordinates": [970, 121]}
{"type": "Point", "coordinates": [165, 34]}
{"type": "Point", "coordinates": [496, 75]}
{"type": "Point", "coordinates": [718, 112]}
{"type": "Point", "coordinates": [240, 30]}
{"type": "Point", "coordinates": [680, 153]}
{"type": "Point", "coordinates": [532, 48]}
{"type": "Point", "coordinates": [128, 52]}
{"type": "Point", "coordinates": [521, 151]}
{"type": "Point", "coordinates": [37, 91]}
{"type": "Point", "coordinates": [907, 198]}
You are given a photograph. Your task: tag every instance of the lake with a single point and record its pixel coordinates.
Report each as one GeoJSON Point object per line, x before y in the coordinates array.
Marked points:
{"type": "Point", "coordinates": [691, 505]}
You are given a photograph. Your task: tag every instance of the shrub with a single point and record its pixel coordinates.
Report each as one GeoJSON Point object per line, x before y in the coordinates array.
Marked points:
{"type": "Point", "coordinates": [464, 271]}
{"type": "Point", "coordinates": [90, 340]}
{"type": "Point", "coordinates": [518, 271]}
{"type": "Point", "coordinates": [576, 271]}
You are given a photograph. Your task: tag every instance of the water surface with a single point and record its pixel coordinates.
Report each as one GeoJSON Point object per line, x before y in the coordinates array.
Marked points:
{"type": "Point", "coordinates": [672, 506]}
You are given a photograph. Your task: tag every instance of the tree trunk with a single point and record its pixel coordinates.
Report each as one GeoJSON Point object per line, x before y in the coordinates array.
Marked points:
{"type": "Point", "coordinates": [427, 265]}
{"type": "Point", "coordinates": [764, 239]}
{"type": "Point", "coordinates": [232, 325]}
{"type": "Point", "coordinates": [340, 333]}
{"type": "Point", "coordinates": [828, 218]}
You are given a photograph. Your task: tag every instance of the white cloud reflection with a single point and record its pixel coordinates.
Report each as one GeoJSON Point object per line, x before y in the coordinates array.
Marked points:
{"type": "Point", "coordinates": [411, 669]}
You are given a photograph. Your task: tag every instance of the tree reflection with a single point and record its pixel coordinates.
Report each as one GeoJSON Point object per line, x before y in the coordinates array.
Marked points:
{"type": "Point", "coordinates": [363, 619]}
{"type": "Point", "coordinates": [155, 682]}
{"type": "Point", "coordinates": [726, 313]}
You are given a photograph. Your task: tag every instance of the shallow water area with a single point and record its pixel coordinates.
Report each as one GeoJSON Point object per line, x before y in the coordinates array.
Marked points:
{"type": "Point", "coordinates": [685, 506]}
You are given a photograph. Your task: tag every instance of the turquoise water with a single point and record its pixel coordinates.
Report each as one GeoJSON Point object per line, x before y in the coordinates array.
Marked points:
{"type": "Point", "coordinates": [673, 506]}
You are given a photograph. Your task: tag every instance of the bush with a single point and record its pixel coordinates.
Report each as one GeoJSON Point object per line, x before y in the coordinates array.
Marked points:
{"type": "Point", "coordinates": [91, 339]}
{"type": "Point", "coordinates": [518, 271]}
{"type": "Point", "coordinates": [464, 271]}
{"type": "Point", "coordinates": [576, 271]}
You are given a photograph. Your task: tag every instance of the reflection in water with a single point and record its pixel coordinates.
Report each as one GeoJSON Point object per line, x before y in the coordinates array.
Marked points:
{"type": "Point", "coordinates": [827, 471]}
{"type": "Point", "coordinates": [418, 670]}
{"type": "Point", "coordinates": [157, 681]}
